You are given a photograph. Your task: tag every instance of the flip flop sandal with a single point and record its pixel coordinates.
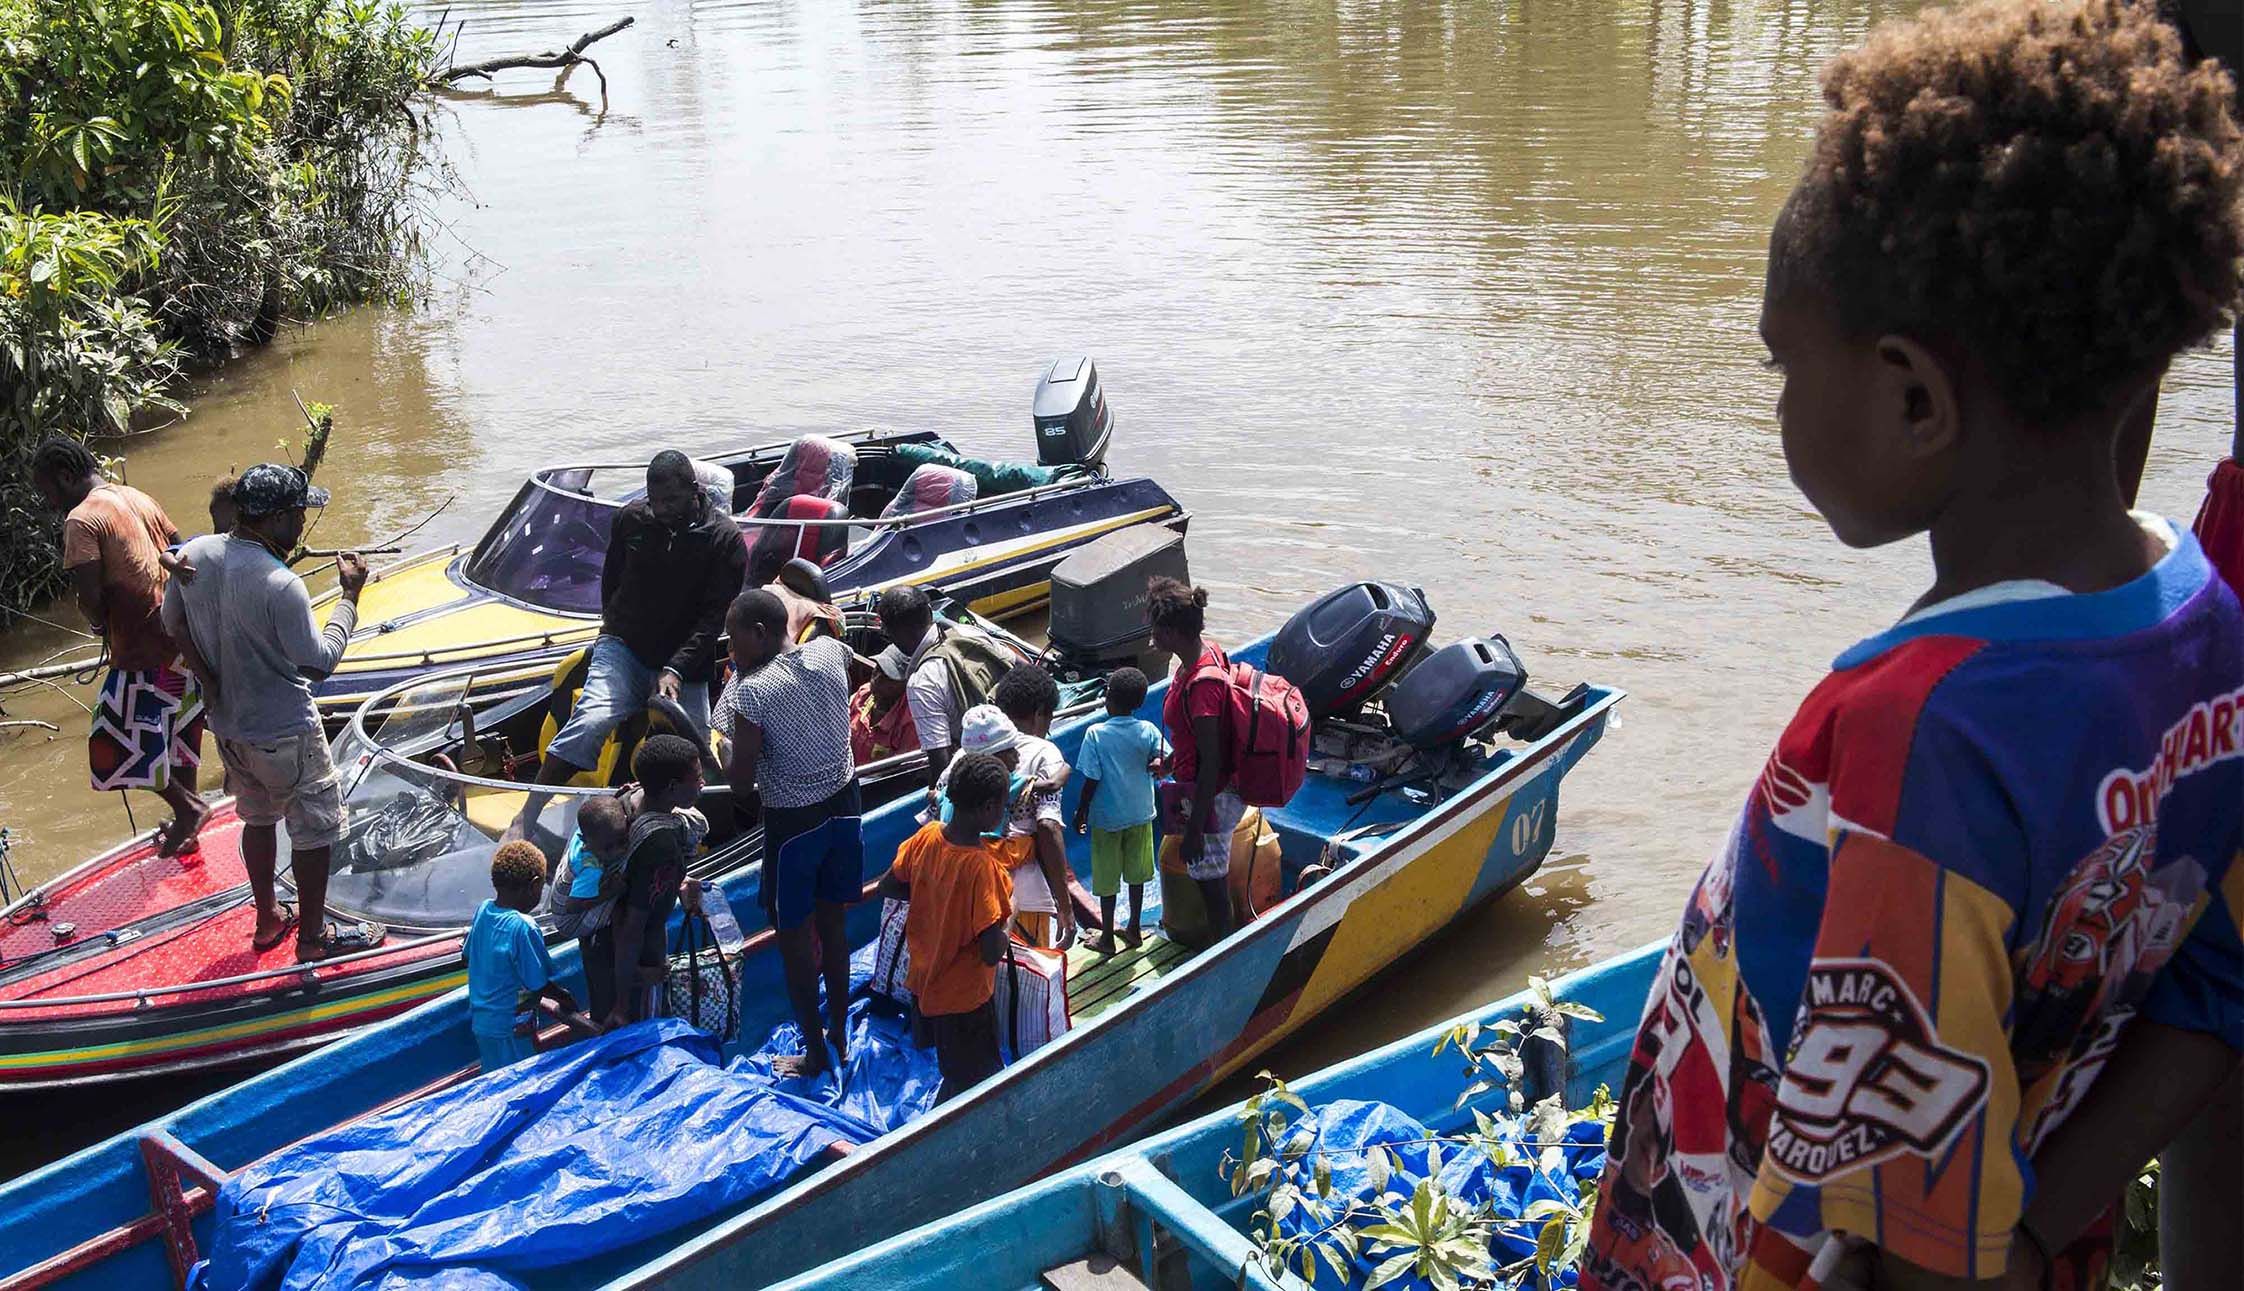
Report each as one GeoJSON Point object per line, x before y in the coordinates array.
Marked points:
{"type": "Point", "coordinates": [334, 941]}
{"type": "Point", "coordinates": [287, 925]}
{"type": "Point", "coordinates": [171, 843]}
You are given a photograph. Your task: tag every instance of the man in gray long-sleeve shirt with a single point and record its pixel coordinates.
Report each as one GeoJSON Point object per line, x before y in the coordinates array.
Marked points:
{"type": "Point", "coordinates": [244, 623]}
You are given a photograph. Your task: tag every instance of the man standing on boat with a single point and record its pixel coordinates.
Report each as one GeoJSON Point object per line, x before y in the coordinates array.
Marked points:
{"type": "Point", "coordinates": [244, 624]}
{"type": "Point", "coordinates": [674, 564]}
{"type": "Point", "coordinates": [148, 724]}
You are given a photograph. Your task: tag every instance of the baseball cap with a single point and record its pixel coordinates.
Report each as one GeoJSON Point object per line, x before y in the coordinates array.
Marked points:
{"type": "Point", "coordinates": [894, 664]}
{"type": "Point", "coordinates": [986, 729]}
{"type": "Point", "coordinates": [269, 488]}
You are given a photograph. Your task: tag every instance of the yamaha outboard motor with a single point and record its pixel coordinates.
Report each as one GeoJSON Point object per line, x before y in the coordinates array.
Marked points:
{"type": "Point", "coordinates": [1098, 595]}
{"type": "Point", "coordinates": [1347, 645]}
{"type": "Point", "coordinates": [1459, 689]}
{"type": "Point", "coordinates": [1072, 420]}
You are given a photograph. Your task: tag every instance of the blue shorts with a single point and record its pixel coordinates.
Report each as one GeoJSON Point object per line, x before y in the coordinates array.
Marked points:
{"type": "Point", "coordinates": [498, 1051]}
{"type": "Point", "coordinates": [616, 687]}
{"type": "Point", "coordinates": [811, 854]}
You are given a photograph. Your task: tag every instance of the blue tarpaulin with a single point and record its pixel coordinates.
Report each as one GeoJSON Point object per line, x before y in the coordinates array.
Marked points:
{"type": "Point", "coordinates": [554, 1160]}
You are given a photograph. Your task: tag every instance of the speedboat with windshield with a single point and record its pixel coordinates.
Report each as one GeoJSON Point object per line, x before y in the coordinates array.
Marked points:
{"type": "Point", "coordinates": [872, 509]}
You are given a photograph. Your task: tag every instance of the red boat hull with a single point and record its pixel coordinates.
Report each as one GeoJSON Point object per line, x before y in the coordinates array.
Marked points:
{"type": "Point", "coordinates": [157, 974]}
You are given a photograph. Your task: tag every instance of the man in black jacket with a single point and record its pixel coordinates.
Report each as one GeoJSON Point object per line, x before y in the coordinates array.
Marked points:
{"type": "Point", "coordinates": [674, 565]}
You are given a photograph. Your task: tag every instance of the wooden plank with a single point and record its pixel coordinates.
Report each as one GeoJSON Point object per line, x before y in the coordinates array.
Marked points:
{"type": "Point", "coordinates": [1106, 980]}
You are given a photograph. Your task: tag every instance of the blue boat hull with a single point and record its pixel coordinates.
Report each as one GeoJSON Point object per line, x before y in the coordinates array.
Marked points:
{"type": "Point", "coordinates": [1096, 1086]}
{"type": "Point", "coordinates": [1165, 1198]}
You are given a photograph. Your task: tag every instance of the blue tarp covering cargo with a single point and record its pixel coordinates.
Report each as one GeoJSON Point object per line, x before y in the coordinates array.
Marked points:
{"type": "Point", "coordinates": [554, 1160]}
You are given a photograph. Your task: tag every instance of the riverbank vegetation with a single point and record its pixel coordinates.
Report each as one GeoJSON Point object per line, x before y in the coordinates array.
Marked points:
{"type": "Point", "coordinates": [177, 179]}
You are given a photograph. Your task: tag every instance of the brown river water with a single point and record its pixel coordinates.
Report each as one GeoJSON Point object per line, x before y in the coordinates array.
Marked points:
{"type": "Point", "coordinates": [1458, 295]}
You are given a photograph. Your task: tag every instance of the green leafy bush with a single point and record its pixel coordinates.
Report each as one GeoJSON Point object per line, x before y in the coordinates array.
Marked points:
{"type": "Point", "coordinates": [176, 180]}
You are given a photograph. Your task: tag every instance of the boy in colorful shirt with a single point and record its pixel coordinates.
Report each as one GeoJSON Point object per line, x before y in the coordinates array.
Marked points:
{"type": "Point", "coordinates": [508, 967]}
{"type": "Point", "coordinates": [960, 897]}
{"type": "Point", "coordinates": [1971, 954]}
{"type": "Point", "coordinates": [1120, 759]}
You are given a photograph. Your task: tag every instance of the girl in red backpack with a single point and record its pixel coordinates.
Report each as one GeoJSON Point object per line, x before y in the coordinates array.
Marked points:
{"type": "Point", "coordinates": [1208, 809]}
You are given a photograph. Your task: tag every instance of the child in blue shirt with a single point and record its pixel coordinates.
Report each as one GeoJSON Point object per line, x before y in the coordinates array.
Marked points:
{"type": "Point", "coordinates": [1970, 955]}
{"type": "Point", "coordinates": [508, 967]}
{"type": "Point", "coordinates": [1119, 761]}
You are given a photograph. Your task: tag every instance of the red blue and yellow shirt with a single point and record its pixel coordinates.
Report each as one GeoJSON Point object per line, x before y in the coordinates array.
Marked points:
{"type": "Point", "coordinates": [1994, 835]}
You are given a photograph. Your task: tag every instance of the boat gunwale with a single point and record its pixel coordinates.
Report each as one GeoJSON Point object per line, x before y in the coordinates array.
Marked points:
{"type": "Point", "coordinates": [1536, 758]}
{"type": "Point", "coordinates": [1221, 1124]}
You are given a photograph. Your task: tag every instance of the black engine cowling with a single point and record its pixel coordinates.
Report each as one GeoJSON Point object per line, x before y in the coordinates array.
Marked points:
{"type": "Point", "coordinates": [1349, 644]}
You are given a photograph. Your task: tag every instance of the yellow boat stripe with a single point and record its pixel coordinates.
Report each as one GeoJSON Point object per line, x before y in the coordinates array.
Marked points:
{"type": "Point", "coordinates": [233, 1030]}
{"type": "Point", "coordinates": [461, 636]}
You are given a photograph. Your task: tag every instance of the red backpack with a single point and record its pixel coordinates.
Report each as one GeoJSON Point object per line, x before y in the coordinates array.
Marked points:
{"type": "Point", "coordinates": [1267, 725]}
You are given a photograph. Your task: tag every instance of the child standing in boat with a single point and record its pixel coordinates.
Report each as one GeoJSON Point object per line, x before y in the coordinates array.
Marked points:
{"type": "Point", "coordinates": [1970, 956]}
{"type": "Point", "coordinates": [1120, 759]}
{"type": "Point", "coordinates": [960, 895]}
{"type": "Point", "coordinates": [508, 967]}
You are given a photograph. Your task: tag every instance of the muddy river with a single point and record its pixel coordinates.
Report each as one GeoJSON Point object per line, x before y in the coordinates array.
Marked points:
{"type": "Point", "coordinates": [1459, 295]}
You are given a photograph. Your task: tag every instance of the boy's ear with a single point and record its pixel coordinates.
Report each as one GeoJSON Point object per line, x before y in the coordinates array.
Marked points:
{"type": "Point", "coordinates": [1918, 391]}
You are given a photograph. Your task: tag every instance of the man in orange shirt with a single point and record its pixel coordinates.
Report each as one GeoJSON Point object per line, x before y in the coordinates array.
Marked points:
{"type": "Point", "coordinates": [960, 896]}
{"type": "Point", "coordinates": [148, 725]}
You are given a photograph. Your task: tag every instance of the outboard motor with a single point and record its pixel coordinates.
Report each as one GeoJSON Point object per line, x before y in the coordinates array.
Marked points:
{"type": "Point", "coordinates": [1459, 689]}
{"type": "Point", "coordinates": [1098, 594]}
{"type": "Point", "coordinates": [1073, 423]}
{"type": "Point", "coordinates": [1346, 646]}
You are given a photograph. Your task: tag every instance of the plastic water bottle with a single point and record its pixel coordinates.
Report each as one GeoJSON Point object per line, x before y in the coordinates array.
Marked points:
{"type": "Point", "coordinates": [1362, 772]}
{"type": "Point", "coordinates": [721, 922]}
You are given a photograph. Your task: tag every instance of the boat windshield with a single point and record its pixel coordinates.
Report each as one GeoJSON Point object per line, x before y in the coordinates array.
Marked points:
{"type": "Point", "coordinates": [547, 547]}
{"type": "Point", "coordinates": [425, 809]}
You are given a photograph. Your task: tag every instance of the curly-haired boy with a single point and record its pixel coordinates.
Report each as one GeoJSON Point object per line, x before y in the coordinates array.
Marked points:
{"type": "Point", "coordinates": [1971, 954]}
{"type": "Point", "coordinates": [508, 967]}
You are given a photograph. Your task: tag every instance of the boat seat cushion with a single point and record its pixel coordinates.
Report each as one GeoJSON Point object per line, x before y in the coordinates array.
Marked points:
{"type": "Point", "coordinates": [773, 545]}
{"type": "Point", "coordinates": [930, 488]}
{"type": "Point", "coordinates": [814, 466]}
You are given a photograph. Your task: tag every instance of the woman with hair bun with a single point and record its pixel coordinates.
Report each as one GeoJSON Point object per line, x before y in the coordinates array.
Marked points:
{"type": "Point", "coordinates": [1194, 713]}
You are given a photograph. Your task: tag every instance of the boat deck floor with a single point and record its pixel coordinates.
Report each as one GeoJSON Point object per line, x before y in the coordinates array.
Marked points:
{"type": "Point", "coordinates": [1096, 982]}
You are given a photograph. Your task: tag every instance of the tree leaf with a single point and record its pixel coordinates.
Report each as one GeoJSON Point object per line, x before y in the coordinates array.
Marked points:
{"type": "Point", "coordinates": [1390, 1269]}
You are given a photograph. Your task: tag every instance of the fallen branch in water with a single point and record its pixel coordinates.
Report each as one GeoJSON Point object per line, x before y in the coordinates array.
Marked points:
{"type": "Point", "coordinates": [564, 59]}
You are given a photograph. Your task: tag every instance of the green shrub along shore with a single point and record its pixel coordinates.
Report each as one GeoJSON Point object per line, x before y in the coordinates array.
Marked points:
{"type": "Point", "coordinates": [177, 179]}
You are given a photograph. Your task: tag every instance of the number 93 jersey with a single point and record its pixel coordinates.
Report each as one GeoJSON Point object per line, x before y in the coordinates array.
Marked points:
{"type": "Point", "coordinates": [1993, 835]}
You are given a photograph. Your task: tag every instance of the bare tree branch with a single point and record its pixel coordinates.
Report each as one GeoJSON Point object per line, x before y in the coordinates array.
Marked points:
{"type": "Point", "coordinates": [565, 59]}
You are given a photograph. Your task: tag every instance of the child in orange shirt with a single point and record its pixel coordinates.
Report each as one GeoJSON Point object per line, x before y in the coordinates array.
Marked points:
{"type": "Point", "coordinates": [960, 896]}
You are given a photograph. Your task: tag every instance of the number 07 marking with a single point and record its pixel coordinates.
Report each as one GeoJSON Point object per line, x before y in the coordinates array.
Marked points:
{"type": "Point", "coordinates": [1527, 828]}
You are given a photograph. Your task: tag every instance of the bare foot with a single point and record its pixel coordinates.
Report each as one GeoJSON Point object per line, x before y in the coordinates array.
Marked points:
{"type": "Point", "coordinates": [839, 1040]}
{"type": "Point", "coordinates": [1104, 945]}
{"type": "Point", "coordinates": [1133, 939]}
{"type": "Point", "coordinates": [794, 1065]}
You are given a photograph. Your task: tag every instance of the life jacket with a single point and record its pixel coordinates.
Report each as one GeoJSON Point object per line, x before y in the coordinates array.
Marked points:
{"type": "Point", "coordinates": [1266, 726]}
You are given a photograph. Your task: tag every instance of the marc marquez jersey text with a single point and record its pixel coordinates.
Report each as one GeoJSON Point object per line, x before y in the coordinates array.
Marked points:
{"type": "Point", "coordinates": [1990, 838]}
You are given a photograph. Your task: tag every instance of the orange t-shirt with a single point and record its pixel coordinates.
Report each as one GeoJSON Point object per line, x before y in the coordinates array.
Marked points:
{"type": "Point", "coordinates": [125, 531]}
{"type": "Point", "coordinates": [958, 893]}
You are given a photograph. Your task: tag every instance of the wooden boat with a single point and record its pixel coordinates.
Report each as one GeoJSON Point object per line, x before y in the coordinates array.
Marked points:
{"type": "Point", "coordinates": [1160, 1213]}
{"type": "Point", "coordinates": [135, 965]}
{"type": "Point", "coordinates": [1383, 873]}
{"type": "Point", "coordinates": [532, 582]}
